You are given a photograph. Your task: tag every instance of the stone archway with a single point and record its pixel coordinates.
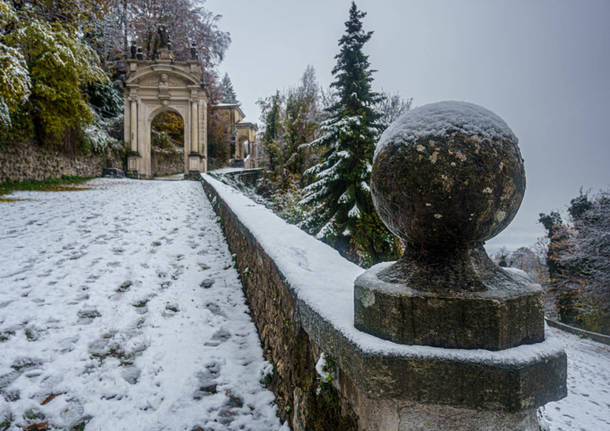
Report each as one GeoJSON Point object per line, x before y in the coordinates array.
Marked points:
{"type": "Point", "coordinates": [162, 85]}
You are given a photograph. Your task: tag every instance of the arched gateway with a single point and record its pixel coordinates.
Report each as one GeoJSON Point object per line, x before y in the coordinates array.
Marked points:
{"type": "Point", "coordinates": [155, 86]}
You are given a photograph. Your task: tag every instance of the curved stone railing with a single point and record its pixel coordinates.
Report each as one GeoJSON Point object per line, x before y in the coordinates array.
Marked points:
{"type": "Point", "coordinates": [595, 336]}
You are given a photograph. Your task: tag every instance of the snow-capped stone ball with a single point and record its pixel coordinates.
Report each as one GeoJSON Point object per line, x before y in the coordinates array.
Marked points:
{"type": "Point", "coordinates": [447, 175]}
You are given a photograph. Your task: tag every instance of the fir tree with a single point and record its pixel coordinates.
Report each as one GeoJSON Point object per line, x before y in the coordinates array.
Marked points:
{"type": "Point", "coordinates": [228, 93]}
{"type": "Point", "coordinates": [343, 213]}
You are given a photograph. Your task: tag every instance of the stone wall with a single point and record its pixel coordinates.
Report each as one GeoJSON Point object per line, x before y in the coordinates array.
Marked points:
{"type": "Point", "coordinates": [28, 161]}
{"type": "Point", "coordinates": [167, 162]}
{"type": "Point", "coordinates": [302, 399]}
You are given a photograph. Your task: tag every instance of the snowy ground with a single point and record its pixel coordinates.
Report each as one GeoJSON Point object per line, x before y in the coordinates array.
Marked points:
{"type": "Point", "coordinates": [120, 307]}
{"type": "Point", "coordinates": [587, 406]}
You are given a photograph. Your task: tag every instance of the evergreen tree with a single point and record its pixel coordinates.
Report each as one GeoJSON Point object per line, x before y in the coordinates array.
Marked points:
{"type": "Point", "coordinates": [272, 132]}
{"type": "Point", "coordinates": [228, 93]}
{"type": "Point", "coordinates": [343, 213]}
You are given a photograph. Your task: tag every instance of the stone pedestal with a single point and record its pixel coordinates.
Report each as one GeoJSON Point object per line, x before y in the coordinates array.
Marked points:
{"type": "Point", "coordinates": [195, 167]}
{"type": "Point", "coordinates": [133, 160]}
{"type": "Point", "coordinates": [447, 177]}
{"type": "Point", "coordinates": [506, 315]}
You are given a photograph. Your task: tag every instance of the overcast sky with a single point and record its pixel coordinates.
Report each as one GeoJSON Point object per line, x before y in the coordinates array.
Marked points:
{"type": "Point", "coordinates": [543, 66]}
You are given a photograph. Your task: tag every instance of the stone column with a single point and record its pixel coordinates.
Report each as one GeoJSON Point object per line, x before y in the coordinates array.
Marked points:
{"type": "Point", "coordinates": [194, 128]}
{"type": "Point", "coordinates": [194, 163]}
{"type": "Point", "coordinates": [134, 125]}
{"type": "Point", "coordinates": [447, 177]}
{"type": "Point", "coordinates": [131, 137]}
{"type": "Point", "coordinates": [127, 122]}
{"type": "Point", "coordinates": [202, 127]}
{"type": "Point", "coordinates": [203, 134]}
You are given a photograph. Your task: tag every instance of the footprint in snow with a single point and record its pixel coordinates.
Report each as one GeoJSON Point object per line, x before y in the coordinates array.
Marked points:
{"type": "Point", "coordinates": [170, 310]}
{"type": "Point", "coordinates": [67, 344]}
{"type": "Point", "coordinates": [230, 410]}
{"type": "Point", "coordinates": [124, 287]}
{"type": "Point", "coordinates": [215, 309]}
{"type": "Point", "coordinates": [140, 306]}
{"type": "Point", "coordinates": [33, 333]}
{"type": "Point", "coordinates": [131, 374]}
{"type": "Point", "coordinates": [207, 283]}
{"type": "Point", "coordinates": [206, 382]}
{"type": "Point", "coordinates": [87, 316]}
{"type": "Point", "coordinates": [219, 337]}
{"type": "Point", "coordinates": [6, 334]}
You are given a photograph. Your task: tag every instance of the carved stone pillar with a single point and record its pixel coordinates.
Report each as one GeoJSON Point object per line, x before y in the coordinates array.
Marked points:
{"type": "Point", "coordinates": [203, 134]}
{"type": "Point", "coordinates": [194, 128]}
{"type": "Point", "coordinates": [127, 121]}
{"type": "Point", "coordinates": [134, 125]}
{"type": "Point", "coordinates": [194, 163]}
{"type": "Point", "coordinates": [131, 120]}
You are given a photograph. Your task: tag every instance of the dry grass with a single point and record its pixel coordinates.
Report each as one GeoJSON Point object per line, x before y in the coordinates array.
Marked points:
{"type": "Point", "coordinates": [63, 184]}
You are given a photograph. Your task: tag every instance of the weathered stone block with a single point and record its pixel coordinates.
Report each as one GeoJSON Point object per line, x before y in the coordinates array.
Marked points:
{"type": "Point", "coordinates": [505, 315]}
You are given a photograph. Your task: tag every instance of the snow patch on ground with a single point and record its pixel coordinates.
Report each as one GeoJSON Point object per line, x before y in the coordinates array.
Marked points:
{"type": "Point", "coordinates": [120, 307]}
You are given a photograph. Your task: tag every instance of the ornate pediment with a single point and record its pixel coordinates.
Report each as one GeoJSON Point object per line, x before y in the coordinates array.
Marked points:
{"type": "Point", "coordinates": [159, 76]}
{"type": "Point", "coordinates": [162, 80]}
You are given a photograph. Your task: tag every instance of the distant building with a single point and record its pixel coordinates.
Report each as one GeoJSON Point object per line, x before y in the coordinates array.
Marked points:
{"type": "Point", "coordinates": [247, 148]}
{"type": "Point", "coordinates": [231, 141]}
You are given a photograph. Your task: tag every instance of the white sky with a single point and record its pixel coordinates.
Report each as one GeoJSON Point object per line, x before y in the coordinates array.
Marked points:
{"type": "Point", "coordinates": [542, 65]}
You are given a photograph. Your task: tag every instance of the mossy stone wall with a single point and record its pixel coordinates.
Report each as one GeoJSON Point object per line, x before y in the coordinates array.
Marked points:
{"type": "Point", "coordinates": [28, 161]}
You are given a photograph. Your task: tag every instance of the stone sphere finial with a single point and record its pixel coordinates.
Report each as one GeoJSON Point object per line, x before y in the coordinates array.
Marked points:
{"type": "Point", "coordinates": [447, 175]}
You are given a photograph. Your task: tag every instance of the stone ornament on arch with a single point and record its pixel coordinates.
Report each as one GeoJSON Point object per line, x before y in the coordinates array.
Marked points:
{"type": "Point", "coordinates": [159, 85]}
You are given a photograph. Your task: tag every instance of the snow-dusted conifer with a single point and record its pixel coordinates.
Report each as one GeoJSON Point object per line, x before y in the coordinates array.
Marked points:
{"type": "Point", "coordinates": [228, 93]}
{"type": "Point", "coordinates": [15, 82]}
{"type": "Point", "coordinates": [343, 212]}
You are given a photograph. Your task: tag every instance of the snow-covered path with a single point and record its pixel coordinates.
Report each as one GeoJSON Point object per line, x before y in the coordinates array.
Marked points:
{"type": "Point", "coordinates": [587, 406]}
{"type": "Point", "coordinates": [120, 308]}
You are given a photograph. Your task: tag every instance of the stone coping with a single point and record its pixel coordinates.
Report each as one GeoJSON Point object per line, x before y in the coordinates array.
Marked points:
{"type": "Point", "coordinates": [321, 284]}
